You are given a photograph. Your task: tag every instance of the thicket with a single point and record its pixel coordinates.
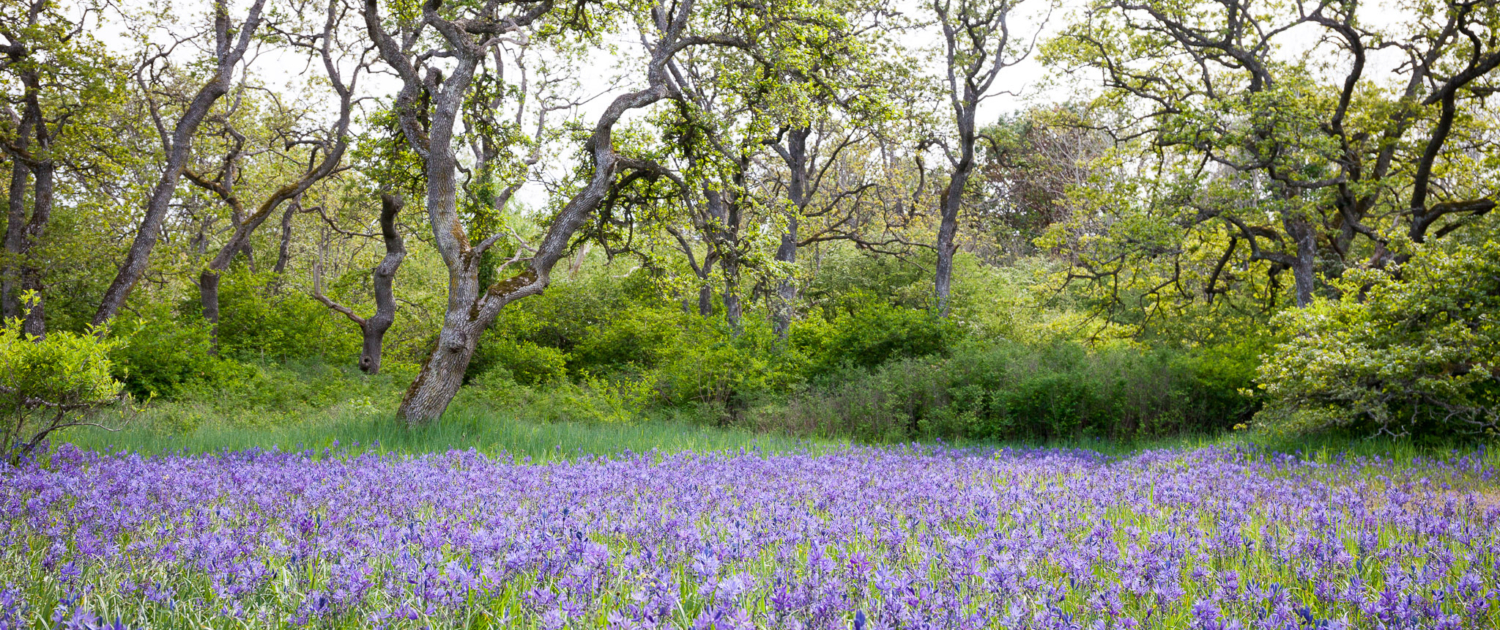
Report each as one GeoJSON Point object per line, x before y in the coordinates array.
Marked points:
{"type": "Point", "coordinates": [615, 344]}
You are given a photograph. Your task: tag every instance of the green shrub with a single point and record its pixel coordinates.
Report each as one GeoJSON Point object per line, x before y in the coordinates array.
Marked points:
{"type": "Point", "coordinates": [522, 361]}
{"type": "Point", "coordinates": [257, 322]}
{"type": "Point", "coordinates": [1408, 352]}
{"type": "Point", "coordinates": [49, 384]}
{"type": "Point", "coordinates": [157, 353]}
{"type": "Point", "coordinates": [871, 334]}
{"type": "Point", "coordinates": [1008, 391]}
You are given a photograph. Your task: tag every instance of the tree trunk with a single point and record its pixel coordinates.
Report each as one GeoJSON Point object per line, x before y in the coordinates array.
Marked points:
{"type": "Point", "coordinates": [1303, 270]}
{"type": "Point", "coordinates": [946, 242]}
{"type": "Point", "coordinates": [786, 290]}
{"type": "Point", "coordinates": [705, 301]}
{"type": "Point", "coordinates": [470, 309]}
{"type": "Point", "coordinates": [795, 157]}
{"type": "Point", "coordinates": [16, 224]}
{"type": "Point", "coordinates": [284, 253]}
{"type": "Point", "coordinates": [35, 325]}
{"type": "Point", "coordinates": [443, 372]}
{"type": "Point", "coordinates": [137, 259]}
{"type": "Point", "coordinates": [383, 277]}
{"type": "Point", "coordinates": [208, 298]}
{"type": "Point", "coordinates": [952, 203]}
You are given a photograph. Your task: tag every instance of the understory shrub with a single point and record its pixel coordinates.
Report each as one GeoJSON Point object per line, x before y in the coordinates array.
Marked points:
{"type": "Point", "coordinates": [1408, 352]}
{"type": "Point", "coordinates": [157, 353]}
{"type": "Point", "coordinates": [258, 323]}
{"type": "Point", "coordinates": [49, 384]}
{"type": "Point", "coordinates": [1009, 391]}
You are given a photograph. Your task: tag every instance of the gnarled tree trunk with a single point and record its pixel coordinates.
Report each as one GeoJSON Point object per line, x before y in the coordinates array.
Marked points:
{"type": "Point", "coordinates": [383, 277]}
{"type": "Point", "coordinates": [472, 307]}
{"type": "Point", "coordinates": [229, 52]}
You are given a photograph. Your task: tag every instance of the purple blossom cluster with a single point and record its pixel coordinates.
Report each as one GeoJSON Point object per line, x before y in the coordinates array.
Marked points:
{"type": "Point", "coordinates": [866, 538]}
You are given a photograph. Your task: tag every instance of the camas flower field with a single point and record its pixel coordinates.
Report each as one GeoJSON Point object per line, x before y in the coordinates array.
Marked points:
{"type": "Point", "coordinates": [846, 537]}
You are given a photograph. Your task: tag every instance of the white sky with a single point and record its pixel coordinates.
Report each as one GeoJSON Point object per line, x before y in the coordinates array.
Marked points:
{"type": "Point", "coordinates": [1028, 79]}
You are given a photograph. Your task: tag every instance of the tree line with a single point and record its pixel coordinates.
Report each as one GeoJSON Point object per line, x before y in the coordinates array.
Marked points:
{"type": "Point", "coordinates": [1322, 172]}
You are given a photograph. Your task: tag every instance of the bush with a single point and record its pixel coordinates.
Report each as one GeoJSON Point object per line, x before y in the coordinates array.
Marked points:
{"type": "Point", "coordinates": [157, 354]}
{"type": "Point", "coordinates": [49, 384]}
{"type": "Point", "coordinates": [522, 361]}
{"type": "Point", "coordinates": [1009, 391]}
{"type": "Point", "coordinates": [256, 322]}
{"type": "Point", "coordinates": [871, 334]}
{"type": "Point", "coordinates": [1408, 352]}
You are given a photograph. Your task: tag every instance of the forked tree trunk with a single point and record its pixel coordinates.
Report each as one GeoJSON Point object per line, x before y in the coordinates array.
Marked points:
{"type": "Point", "coordinates": [383, 277]}
{"type": "Point", "coordinates": [230, 52]}
{"type": "Point", "coordinates": [471, 307]}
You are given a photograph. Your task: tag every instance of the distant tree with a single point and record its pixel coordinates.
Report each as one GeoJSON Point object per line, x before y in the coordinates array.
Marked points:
{"type": "Point", "coordinates": [1029, 161]}
{"type": "Point", "coordinates": [978, 44]}
{"type": "Point", "coordinates": [322, 150]}
{"type": "Point", "coordinates": [1282, 158]}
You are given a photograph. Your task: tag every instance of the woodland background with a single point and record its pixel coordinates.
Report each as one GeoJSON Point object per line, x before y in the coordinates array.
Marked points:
{"type": "Point", "coordinates": [781, 215]}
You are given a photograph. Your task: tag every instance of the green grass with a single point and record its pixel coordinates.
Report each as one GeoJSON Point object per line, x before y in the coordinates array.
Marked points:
{"type": "Point", "coordinates": [488, 431]}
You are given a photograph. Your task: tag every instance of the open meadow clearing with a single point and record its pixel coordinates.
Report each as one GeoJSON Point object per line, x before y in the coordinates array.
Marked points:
{"type": "Point", "coordinates": [850, 537]}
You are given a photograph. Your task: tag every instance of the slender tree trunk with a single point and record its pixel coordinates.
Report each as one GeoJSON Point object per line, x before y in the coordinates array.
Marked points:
{"type": "Point", "coordinates": [284, 253]}
{"type": "Point", "coordinates": [786, 290]}
{"type": "Point", "coordinates": [35, 325]}
{"type": "Point", "coordinates": [138, 257]}
{"type": "Point", "coordinates": [706, 301]}
{"type": "Point", "coordinates": [383, 278]}
{"type": "Point", "coordinates": [208, 299]}
{"type": "Point", "coordinates": [952, 203]}
{"type": "Point", "coordinates": [15, 227]}
{"type": "Point", "coordinates": [947, 244]}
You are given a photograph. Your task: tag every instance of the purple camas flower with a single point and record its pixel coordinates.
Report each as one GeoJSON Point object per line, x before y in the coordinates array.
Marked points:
{"type": "Point", "coordinates": [909, 537]}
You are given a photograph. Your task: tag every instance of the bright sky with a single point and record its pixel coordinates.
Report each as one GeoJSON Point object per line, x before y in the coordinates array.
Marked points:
{"type": "Point", "coordinates": [1017, 87]}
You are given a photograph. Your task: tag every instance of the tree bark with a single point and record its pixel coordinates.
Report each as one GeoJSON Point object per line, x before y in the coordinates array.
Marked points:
{"type": "Point", "coordinates": [284, 253]}
{"type": "Point", "coordinates": [35, 325]}
{"type": "Point", "coordinates": [952, 202]}
{"type": "Point", "coordinates": [382, 277]}
{"type": "Point", "coordinates": [471, 307]}
{"type": "Point", "coordinates": [1304, 271]}
{"type": "Point", "coordinates": [20, 176]}
{"type": "Point", "coordinates": [178, 146]}
{"type": "Point", "coordinates": [795, 157]}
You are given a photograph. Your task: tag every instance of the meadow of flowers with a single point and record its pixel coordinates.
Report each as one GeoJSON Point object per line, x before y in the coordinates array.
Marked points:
{"type": "Point", "coordinates": [916, 537]}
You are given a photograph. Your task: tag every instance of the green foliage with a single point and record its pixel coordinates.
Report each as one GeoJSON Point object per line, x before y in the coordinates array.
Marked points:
{"type": "Point", "coordinates": [47, 384]}
{"type": "Point", "coordinates": [1010, 391]}
{"type": "Point", "coordinates": [258, 322]}
{"type": "Point", "coordinates": [525, 362]}
{"type": "Point", "coordinates": [158, 353]}
{"type": "Point", "coordinates": [874, 333]}
{"type": "Point", "coordinates": [1412, 352]}
{"type": "Point", "coordinates": [716, 367]}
